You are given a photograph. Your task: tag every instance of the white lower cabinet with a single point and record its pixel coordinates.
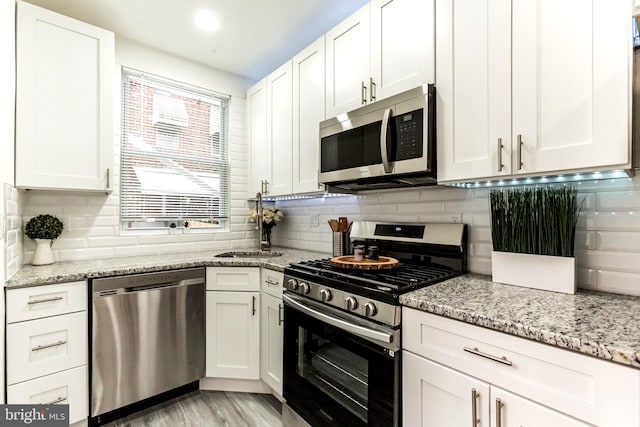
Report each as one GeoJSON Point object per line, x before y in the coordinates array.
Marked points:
{"type": "Point", "coordinates": [434, 395]}
{"type": "Point", "coordinates": [271, 340]}
{"type": "Point", "coordinates": [233, 335]}
{"type": "Point", "coordinates": [47, 347]}
{"type": "Point", "coordinates": [233, 323]}
{"type": "Point", "coordinates": [66, 388]}
{"type": "Point", "coordinates": [536, 384]}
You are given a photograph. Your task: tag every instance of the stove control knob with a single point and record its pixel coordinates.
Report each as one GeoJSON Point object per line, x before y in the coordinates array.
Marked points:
{"type": "Point", "coordinates": [370, 309]}
{"type": "Point", "coordinates": [292, 284]}
{"type": "Point", "coordinates": [305, 288]}
{"type": "Point", "coordinates": [352, 303]}
{"type": "Point", "coordinates": [325, 295]}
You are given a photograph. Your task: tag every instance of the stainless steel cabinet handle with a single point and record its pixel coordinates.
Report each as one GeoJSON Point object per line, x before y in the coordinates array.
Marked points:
{"type": "Point", "coordinates": [40, 301]}
{"type": "Point", "coordinates": [519, 143]}
{"type": "Point", "coordinates": [253, 305]}
{"type": "Point", "coordinates": [363, 94]}
{"type": "Point", "coordinates": [500, 147]}
{"type": "Point", "coordinates": [272, 283]}
{"type": "Point", "coordinates": [42, 347]}
{"type": "Point", "coordinates": [280, 317]}
{"type": "Point", "coordinates": [477, 352]}
{"type": "Point", "coordinates": [53, 402]}
{"type": "Point", "coordinates": [474, 407]}
{"type": "Point", "coordinates": [372, 90]}
{"type": "Point", "coordinates": [108, 178]}
{"type": "Point", "coordinates": [499, 406]}
{"type": "Point", "coordinates": [266, 186]}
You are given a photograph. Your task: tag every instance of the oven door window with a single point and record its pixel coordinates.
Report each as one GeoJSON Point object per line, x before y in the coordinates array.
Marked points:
{"type": "Point", "coordinates": [334, 378]}
{"type": "Point", "coordinates": [335, 370]}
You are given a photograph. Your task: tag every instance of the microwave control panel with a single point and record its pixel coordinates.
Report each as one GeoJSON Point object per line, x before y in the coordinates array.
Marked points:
{"type": "Point", "coordinates": [409, 133]}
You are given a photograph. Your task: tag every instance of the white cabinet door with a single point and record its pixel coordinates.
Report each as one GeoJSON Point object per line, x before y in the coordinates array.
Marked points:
{"type": "Point", "coordinates": [433, 395]}
{"type": "Point", "coordinates": [279, 129]}
{"type": "Point", "coordinates": [233, 279]}
{"type": "Point", "coordinates": [348, 63]}
{"type": "Point", "coordinates": [308, 112]}
{"type": "Point", "coordinates": [233, 335]}
{"type": "Point", "coordinates": [64, 388]}
{"type": "Point", "coordinates": [259, 159]}
{"type": "Point", "coordinates": [402, 46]}
{"type": "Point", "coordinates": [64, 107]}
{"type": "Point", "coordinates": [570, 84]}
{"type": "Point", "coordinates": [509, 410]}
{"type": "Point", "coordinates": [473, 90]}
{"type": "Point", "coordinates": [271, 338]}
{"type": "Point", "coordinates": [44, 346]}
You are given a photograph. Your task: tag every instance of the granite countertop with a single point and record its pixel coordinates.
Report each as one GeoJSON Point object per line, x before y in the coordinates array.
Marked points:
{"type": "Point", "coordinates": [599, 324]}
{"type": "Point", "coordinates": [69, 271]}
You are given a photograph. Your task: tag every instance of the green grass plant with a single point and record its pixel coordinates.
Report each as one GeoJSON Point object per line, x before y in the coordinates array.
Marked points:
{"type": "Point", "coordinates": [540, 220]}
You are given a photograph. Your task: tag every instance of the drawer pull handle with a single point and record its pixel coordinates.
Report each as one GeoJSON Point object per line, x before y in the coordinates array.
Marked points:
{"type": "Point", "coordinates": [53, 402]}
{"type": "Point", "coordinates": [474, 407]}
{"type": "Point", "coordinates": [42, 347]}
{"type": "Point", "coordinates": [40, 301]}
{"type": "Point", "coordinates": [269, 282]}
{"type": "Point", "coordinates": [499, 406]}
{"type": "Point", "coordinates": [477, 352]}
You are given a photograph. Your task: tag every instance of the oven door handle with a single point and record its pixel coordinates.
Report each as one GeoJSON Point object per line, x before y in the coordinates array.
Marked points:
{"type": "Point", "coordinates": [361, 331]}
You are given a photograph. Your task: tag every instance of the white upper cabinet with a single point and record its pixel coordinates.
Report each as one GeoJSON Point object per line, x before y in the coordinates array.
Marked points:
{"type": "Point", "coordinates": [64, 103]}
{"type": "Point", "coordinates": [571, 84]}
{"type": "Point", "coordinates": [308, 112]}
{"type": "Point", "coordinates": [473, 90]}
{"type": "Point", "coordinates": [348, 63]}
{"type": "Point", "coordinates": [532, 86]}
{"type": "Point", "coordinates": [259, 160]}
{"type": "Point", "coordinates": [402, 46]}
{"type": "Point", "coordinates": [385, 48]}
{"type": "Point", "coordinates": [279, 129]}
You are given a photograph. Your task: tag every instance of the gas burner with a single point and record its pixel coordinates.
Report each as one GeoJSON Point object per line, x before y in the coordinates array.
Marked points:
{"type": "Point", "coordinates": [428, 254]}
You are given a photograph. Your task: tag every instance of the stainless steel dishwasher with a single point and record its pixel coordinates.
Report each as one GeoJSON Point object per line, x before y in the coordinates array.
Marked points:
{"type": "Point", "coordinates": [148, 338]}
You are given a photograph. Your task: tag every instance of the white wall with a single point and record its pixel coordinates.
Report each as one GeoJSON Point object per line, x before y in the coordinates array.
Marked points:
{"type": "Point", "coordinates": [92, 227]}
{"type": "Point", "coordinates": [608, 237]}
{"type": "Point", "coordinates": [7, 130]}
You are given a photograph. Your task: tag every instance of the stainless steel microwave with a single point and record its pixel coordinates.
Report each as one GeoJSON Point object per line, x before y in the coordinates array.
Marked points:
{"type": "Point", "coordinates": [388, 144]}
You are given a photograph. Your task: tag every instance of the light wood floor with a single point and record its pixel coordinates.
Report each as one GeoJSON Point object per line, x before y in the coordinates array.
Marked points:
{"type": "Point", "coordinates": [209, 409]}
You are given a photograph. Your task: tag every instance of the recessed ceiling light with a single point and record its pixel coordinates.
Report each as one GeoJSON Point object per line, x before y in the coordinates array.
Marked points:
{"type": "Point", "coordinates": [206, 21]}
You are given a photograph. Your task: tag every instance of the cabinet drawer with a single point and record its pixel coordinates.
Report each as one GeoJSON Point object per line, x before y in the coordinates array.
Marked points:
{"type": "Point", "coordinates": [66, 388]}
{"type": "Point", "coordinates": [271, 282]}
{"type": "Point", "coordinates": [44, 346]}
{"type": "Point", "coordinates": [233, 279]}
{"type": "Point", "coordinates": [587, 388]}
{"type": "Point", "coordinates": [43, 301]}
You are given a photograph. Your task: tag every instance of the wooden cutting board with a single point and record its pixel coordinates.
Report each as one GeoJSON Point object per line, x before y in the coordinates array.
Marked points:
{"type": "Point", "coordinates": [348, 261]}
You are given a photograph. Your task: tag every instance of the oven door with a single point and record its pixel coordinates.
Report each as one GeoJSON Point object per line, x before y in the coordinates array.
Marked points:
{"type": "Point", "coordinates": [339, 370]}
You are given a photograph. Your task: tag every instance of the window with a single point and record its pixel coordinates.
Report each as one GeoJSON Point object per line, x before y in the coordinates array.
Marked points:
{"type": "Point", "coordinates": [174, 160]}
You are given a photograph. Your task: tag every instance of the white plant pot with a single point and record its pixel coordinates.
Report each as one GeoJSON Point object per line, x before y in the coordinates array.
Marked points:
{"type": "Point", "coordinates": [549, 273]}
{"type": "Point", "coordinates": [43, 255]}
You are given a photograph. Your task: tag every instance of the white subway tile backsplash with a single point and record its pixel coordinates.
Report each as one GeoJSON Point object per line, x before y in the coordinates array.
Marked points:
{"type": "Point", "coordinates": [13, 230]}
{"type": "Point", "coordinates": [618, 200]}
{"type": "Point", "coordinates": [617, 281]}
{"type": "Point", "coordinates": [618, 241]}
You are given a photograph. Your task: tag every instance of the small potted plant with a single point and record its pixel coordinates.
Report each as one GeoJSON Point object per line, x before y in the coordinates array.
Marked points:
{"type": "Point", "coordinates": [533, 232]}
{"type": "Point", "coordinates": [44, 229]}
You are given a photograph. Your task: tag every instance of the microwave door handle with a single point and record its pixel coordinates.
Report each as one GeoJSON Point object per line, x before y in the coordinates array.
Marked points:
{"type": "Point", "coordinates": [385, 135]}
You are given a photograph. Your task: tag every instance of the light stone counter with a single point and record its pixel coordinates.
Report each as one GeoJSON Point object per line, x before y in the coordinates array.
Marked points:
{"type": "Point", "coordinates": [59, 272]}
{"type": "Point", "coordinates": [599, 324]}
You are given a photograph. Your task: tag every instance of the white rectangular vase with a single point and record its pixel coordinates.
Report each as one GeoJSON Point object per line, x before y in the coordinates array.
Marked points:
{"type": "Point", "coordinates": [549, 273]}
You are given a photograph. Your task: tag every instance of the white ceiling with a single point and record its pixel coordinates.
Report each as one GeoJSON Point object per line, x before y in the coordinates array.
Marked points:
{"type": "Point", "coordinates": [254, 38]}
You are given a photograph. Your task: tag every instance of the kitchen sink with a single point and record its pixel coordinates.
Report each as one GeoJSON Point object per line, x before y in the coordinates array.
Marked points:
{"type": "Point", "coordinates": [249, 254]}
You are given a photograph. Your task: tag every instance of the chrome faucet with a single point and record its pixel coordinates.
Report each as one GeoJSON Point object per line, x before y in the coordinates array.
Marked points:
{"type": "Point", "coordinates": [262, 244]}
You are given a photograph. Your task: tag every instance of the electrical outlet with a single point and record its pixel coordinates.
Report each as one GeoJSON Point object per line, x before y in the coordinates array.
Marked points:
{"type": "Point", "coordinates": [314, 220]}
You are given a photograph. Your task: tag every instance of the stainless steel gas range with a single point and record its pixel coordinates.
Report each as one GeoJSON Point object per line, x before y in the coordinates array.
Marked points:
{"type": "Point", "coordinates": [342, 364]}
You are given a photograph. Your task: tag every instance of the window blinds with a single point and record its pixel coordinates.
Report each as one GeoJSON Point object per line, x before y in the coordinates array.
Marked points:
{"type": "Point", "coordinates": [174, 158]}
